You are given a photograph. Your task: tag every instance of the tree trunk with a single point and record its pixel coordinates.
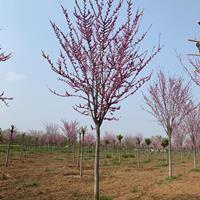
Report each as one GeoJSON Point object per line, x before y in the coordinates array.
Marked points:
{"type": "Point", "coordinates": [81, 158]}
{"type": "Point", "coordinates": [113, 149]}
{"type": "Point", "coordinates": [194, 157]}
{"type": "Point", "coordinates": [96, 163]}
{"type": "Point", "coordinates": [79, 148]}
{"type": "Point", "coordinates": [138, 155]}
{"type": "Point", "coordinates": [7, 154]}
{"type": "Point", "coordinates": [120, 152]}
{"type": "Point", "coordinates": [170, 156]}
{"type": "Point", "coordinates": [149, 152]}
{"type": "Point", "coordinates": [22, 148]}
{"type": "Point", "coordinates": [73, 152]}
{"type": "Point", "coordinates": [105, 151]}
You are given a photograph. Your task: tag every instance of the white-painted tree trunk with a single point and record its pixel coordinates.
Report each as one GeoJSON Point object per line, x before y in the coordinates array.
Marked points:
{"type": "Point", "coordinates": [96, 164]}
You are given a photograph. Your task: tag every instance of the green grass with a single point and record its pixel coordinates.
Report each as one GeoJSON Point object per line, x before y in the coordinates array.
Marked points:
{"type": "Point", "coordinates": [108, 156]}
{"type": "Point", "coordinates": [48, 169]}
{"type": "Point", "coordinates": [128, 155]}
{"type": "Point", "coordinates": [105, 198]}
{"type": "Point", "coordinates": [195, 170]}
{"type": "Point", "coordinates": [115, 162]}
{"type": "Point", "coordinates": [168, 179]}
{"type": "Point", "coordinates": [32, 184]}
{"type": "Point", "coordinates": [135, 189]}
{"type": "Point", "coordinates": [162, 163]}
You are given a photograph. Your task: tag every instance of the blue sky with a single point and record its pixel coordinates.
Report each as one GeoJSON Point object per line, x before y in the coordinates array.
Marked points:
{"type": "Point", "coordinates": [26, 31]}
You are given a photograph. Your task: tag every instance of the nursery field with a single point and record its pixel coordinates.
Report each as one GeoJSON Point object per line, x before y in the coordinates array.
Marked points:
{"type": "Point", "coordinates": [54, 175]}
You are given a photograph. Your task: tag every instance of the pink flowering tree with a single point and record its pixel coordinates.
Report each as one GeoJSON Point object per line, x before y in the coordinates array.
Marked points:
{"type": "Point", "coordinates": [4, 57]}
{"type": "Point", "coordinates": [156, 142]}
{"type": "Point", "coordinates": [51, 130]}
{"type": "Point", "coordinates": [192, 126]}
{"type": "Point", "coordinates": [89, 140]}
{"type": "Point", "coordinates": [35, 136]}
{"type": "Point", "coordinates": [106, 60]}
{"type": "Point", "coordinates": [193, 60]}
{"type": "Point", "coordinates": [198, 141]}
{"type": "Point", "coordinates": [195, 74]}
{"type": "Point", "coordinates": [71, 131]}
{"type": "Point", "coordinates": [129, 140]}
{"type": "Point", "coordinates": [109, 139]}
{"type": "Point", "coordinates": [179, 136]}
{"type": "Point", "coordinates": [169, 102]}
{"type": "Point", "coordinates": [8, 135]}
{"type": "Point", "coordinates": [129, 143]}
{"type": "Point", "coordinates": [138, 141]}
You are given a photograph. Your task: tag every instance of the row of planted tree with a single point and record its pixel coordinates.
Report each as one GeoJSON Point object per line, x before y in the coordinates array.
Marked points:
{"type": "Point", "coordinates": [107, 56]}
{"type": "Point", "coordinates": [75, 140]}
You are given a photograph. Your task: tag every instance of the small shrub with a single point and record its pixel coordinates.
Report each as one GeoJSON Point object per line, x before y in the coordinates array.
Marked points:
{"type": "Point", "coordinates": [135, 189]}
{"type": "Point", "coordinates": [162, 163]}
{"type": "Point", "coordinates": [167, 179]}
{"type": "Point", "coordinates": [2, 150]}
{"type": "Point", "coordinates": [115, 162]}
{"type": "Point", "coordinates": [128, 156]}
{"type": "Point", "coordinates": [32, 184]}
{"type": "Point", "coordinates": [108, 156]}
{"type": "Point", "coordinates": [125, 156]}
{"type": "Point", "coordinates": [105, 198]}
{"type": "Point", "coordinates": [48, 169]}
{"type": "Point", "coordinates": [159, 182]}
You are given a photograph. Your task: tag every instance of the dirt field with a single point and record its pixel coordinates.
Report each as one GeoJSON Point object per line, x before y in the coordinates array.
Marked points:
{"type": "Point", "coordinates": [55, 177]}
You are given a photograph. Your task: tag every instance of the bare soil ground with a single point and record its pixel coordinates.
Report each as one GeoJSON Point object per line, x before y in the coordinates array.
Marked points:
{"type": "Point", "coordinates": [56, 177]}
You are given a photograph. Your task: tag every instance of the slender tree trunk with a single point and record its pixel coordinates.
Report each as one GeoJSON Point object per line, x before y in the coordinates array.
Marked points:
{"type": "Point", "coordinates": [8, 148]}
{"type": "Point", "coordinates": [126, 150]}
{"type": "Point", "coordinates": [120, 152]}
{"type": "Point", "coordinates": [79, 148]}
{"type": "Point", "coordinates": [170, 156]}
{"type": "Point", "coordinates": [105, 151]}
{"type": "Point", "coordinates": [149, 154]}
{"type": "Point", "coordinates": [181, 152]}
{"type": "Point", "coordinates": [195, 157]}
{"type": "Point", "coordinates": [7, 154]}
{"type": "Point", "coordinates": [73, 152]}
{"type": "Point", "coordinates": [113, 149]}
{"type": "Point", "coordinates": [96, 163]}
{"type": "Point", "coordinates": [138, 155]}
{"type": "Point", "coordinates": [81, 158]}
{"type": "Point", "coordinates": [22, 147]}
